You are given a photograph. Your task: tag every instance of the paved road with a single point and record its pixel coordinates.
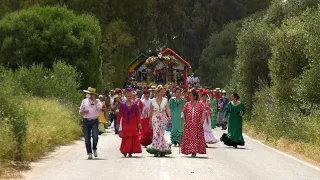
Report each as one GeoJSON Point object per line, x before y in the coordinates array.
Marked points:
{"type": "Point", "coordinates": [254, 162]}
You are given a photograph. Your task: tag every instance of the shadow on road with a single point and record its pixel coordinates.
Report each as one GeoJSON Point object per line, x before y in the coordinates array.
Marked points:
{"type": "Point", "coordinates": [212, 147]}
{"type": "Point", "coordinates": [166, 157]}
{"type": "Point", "coordinates": [97, 159]}
{"type": "Point", "coordinates": [133, 157]}
{"type": "Point", "coordinates": [197, 157]}
{"type": "Point", "coordinates": [239, 148]}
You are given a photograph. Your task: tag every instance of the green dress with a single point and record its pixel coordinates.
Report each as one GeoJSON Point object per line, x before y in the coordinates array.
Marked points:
{"type": "Point", "coordinates": [234, 136]}
{"type": "Point", "coordinates": [177, 124]}
{"type": "Point", "coordinates": [214, 113]}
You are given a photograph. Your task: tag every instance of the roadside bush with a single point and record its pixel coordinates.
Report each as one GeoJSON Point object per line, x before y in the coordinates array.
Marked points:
{"type": "Point", "coordinates": [8, 149]}
{"type": "Point", "coordinates": [41, 35]}
{"type": "Point", "coordinates": [62, 82]}
{"type": "Point", "coordinates": [10, 115]}
{"type": "Point", "coordinates": [49, 124]}
{"type": "Point", "coordinates": [31, 126]}
{"type": "Point", "coordinates": [311, 132]}
{"type": "Point", "coordinates": [275, 118]}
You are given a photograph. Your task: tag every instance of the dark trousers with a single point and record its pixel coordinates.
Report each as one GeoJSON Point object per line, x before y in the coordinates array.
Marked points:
{"type": "Point", "coordinates": [88, 126]}
{"type": "Point", "coordinates": [114, 117]}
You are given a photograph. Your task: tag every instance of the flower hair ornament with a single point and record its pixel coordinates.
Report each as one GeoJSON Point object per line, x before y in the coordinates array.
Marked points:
{"type": "Point", "coordinates": [159, 88]}
{"type": "Point", "coordinates": [129, 90]}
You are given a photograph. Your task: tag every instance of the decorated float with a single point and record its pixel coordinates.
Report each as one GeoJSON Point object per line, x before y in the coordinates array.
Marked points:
{"type": "Point", "coordinates": [166, 68]}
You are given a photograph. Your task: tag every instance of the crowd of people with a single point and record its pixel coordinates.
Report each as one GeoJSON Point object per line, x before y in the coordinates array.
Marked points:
{"type": "Point", "coordinates": [141, 118]}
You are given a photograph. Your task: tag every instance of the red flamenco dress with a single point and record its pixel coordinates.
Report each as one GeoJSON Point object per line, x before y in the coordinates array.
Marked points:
{"type": "Point", "coordinates": [130, 116]}
{"type": "Point", "coordinates": [146, 131]}
{"type": "Point", "coordinates": [193, 141]}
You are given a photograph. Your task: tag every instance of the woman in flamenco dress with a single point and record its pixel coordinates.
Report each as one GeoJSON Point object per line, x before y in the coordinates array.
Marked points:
{"type": "Point", "coordinates": [130, 115]}
{"type": "Point", "coordinates": [146, 131]}
{"type": "Point", "coordinates": [159, 113]}
{"type": "Point", "coordinates": [176, 105]}
{"type": "Point", "coordinates": [193, 141]}
{"type": "Point", "coordinates": [209, 137]}
{"type": "Point", "coordinates": [235, 111]}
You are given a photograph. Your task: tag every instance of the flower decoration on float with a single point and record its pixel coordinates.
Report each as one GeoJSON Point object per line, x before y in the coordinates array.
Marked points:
{"type": "Point", "coordinates": [152, 61]}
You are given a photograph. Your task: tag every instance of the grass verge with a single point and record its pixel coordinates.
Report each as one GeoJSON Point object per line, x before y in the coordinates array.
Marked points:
{"type": "Point", "coordinates": [50, 124]}
{"type": "Point", "coordinates": [308, 150]}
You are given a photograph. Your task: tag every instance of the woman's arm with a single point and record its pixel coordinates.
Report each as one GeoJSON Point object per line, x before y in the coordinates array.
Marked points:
{"type": "Point", "coordinates": [243, 110]}
{"type": "Point", "coordinates": [138, 120]}
{"type": "Point", "coordinates": [183, 113]}
{"type": "Point", "coordinates": [119, 117]}
{"type": "Point", "coordinates": [227, 111]}
{"type": "Point", "coordinates": [203, 112]}
{"type": "Point", "coordinates": [168, 111]}
{"type": "Point", "coordinates": [150, 115]}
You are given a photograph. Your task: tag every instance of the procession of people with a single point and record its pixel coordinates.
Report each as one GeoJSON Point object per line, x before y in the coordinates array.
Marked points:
{"type": "Point", "coordinates": [141, 118]}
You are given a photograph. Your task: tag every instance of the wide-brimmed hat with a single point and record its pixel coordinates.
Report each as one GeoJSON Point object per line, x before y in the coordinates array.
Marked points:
{"type": "Point", "coordinates": [115, 96]}
{"type": "Point", "coordinates": [218, 90]}
{"type": "Point", "coordinates": [224, 91]}
{"type": "Point", "coordinates": [153, 88]}
{"type": "Point", "coordinates": [91, 90]}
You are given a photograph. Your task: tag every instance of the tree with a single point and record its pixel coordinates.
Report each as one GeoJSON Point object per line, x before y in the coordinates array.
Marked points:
{"type": "Point", "coordinates": [288, 57]}
{"type": "Point", "coordinates": [218, 57]}
{"type": "Point", "coordinates": [306, 86]}
{"type": "Point", "coordinates": [253, 53]}
{"type": "Point", "coordinates": [114, 52]}
{"type": "Point", "coordinates": [284, 9]}
{"type": "Point", "coordinates": [41, 35]}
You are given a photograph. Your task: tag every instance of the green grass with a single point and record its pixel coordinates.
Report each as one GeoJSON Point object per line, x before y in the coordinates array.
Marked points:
{"type": "Point", "coordinates": [50, 124]}
{"type": "Point", "coordinates": [307, 146]}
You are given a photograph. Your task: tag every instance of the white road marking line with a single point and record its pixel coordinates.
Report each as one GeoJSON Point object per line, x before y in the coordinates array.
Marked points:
{"type": "Point", "coordinates": [166, 176]}
{"type": "Point", "coordinates": [285, 154]}
{"type": "Point", "coordinates": [163, 174]}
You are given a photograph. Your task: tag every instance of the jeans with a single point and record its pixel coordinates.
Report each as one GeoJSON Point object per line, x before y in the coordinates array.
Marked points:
{"type": "Point", "coordinates": [113, 117]}
{"type": "Point", "coordinates": [88, 126]}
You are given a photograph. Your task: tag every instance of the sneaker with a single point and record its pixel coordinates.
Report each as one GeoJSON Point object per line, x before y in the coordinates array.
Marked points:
{"type": "Point", "coordinates": [95, 153]}
{"type": "Point", "coordinates": [89, 156]}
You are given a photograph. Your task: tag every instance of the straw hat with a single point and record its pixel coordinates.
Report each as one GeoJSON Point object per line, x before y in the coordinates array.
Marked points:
{"type": "Point", "coordinates": [91, 90]}
{"type": "Point", "coordinates": [115, 96]}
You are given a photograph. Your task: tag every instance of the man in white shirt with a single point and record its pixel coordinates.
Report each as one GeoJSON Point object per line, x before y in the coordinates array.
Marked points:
{"type": "Point", "coordinates": [89, 110]}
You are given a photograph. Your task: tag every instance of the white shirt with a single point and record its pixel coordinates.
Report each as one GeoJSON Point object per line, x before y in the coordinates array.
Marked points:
{"type": "Point", "coordinates": [94, 108]}
{"type": "Point", "coordinates": [146, 108]}
{"type": "Point", "coordinates": [111, 100]}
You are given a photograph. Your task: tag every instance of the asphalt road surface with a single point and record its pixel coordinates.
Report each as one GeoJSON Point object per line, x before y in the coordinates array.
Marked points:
{"type": "Point", "coordinates": [253, 162]}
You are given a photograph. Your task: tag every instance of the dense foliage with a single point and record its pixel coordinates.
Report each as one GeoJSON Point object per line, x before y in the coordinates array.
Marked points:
{"type": "Point", "coordinates": [20, 110]}
{"type": "Point", "coordinates": [42, 35]}
{"type": "Point", "coordinates": [148, 26]}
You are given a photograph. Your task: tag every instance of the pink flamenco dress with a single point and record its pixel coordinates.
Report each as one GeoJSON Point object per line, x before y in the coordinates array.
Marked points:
{"type": "Point", "coordinates": [209, 137]}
